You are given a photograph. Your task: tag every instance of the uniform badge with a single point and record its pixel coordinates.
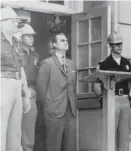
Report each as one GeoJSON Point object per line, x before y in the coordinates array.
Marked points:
{"type": "Point", "coordinates": [127, 67]}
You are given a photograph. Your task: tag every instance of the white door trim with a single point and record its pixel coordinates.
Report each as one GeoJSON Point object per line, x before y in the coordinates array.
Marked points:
{"type": "Point", "coordinates": [40, 7]}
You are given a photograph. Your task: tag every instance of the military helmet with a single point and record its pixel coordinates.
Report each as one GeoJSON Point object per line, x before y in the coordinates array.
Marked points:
{"type": "Point", "coordinates": [114, 38]}
{"type": "Point", "coordinates": [27, 29]}
{"type": "Point", "coordinates": [9, 13]}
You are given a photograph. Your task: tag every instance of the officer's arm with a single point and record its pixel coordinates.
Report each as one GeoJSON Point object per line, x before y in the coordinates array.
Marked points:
{"type": "Point", "coordinates": [42, 80]}
{"type": "Point", "coordinates": [24, 83]}
{"type": "Point", "coordinates": [97, 89]}
{"type": "Point", "coordinates": [25, 91]}
{"type": "Point", "coordinates": [97, 86]}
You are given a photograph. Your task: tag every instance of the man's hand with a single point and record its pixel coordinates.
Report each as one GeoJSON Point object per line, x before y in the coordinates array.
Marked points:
{"type": "Point", "coordinates": [26, 104]}
{"type": "Point", "coordinates": [27, 101]}
{"type": "Point", "coordinates": [32, 94]}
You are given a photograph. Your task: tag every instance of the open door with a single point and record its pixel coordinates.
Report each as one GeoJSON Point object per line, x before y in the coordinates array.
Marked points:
{"type": "Point", "coordinates": [89, 46]}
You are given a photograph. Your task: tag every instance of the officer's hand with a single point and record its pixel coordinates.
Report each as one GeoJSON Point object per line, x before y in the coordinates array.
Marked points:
{"type": "Point", "coordinates": [103, 81]}
{"type": "Point", "coordinates": [33, 94]}
{"type": "Point", "coordinates": [26, 104]}
{"type": "Point", "coordinates": [117, 78]}
{"type": "Point", "coordinates": [97, 89]}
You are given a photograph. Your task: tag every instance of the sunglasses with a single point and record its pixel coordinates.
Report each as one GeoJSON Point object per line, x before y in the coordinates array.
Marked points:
{"type": "Point", "coordinates": [117, 44]}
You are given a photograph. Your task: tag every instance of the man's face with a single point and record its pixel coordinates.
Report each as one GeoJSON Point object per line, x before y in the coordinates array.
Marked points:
{"type": "Point", "coordinates": [10, 25]}
{"type": "Point", "coordinates": [61, 43]}
{"type": "Point", "coordinates": [28, 40]}
{"type": "Point", "coordinates": [117, 48]}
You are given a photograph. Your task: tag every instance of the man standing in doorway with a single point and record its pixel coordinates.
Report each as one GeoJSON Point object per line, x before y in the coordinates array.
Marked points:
{"type": "Point", "coordinates": [13, 82]}
{"type": "Point", "coordinates": [30, 63]}
{"type": "Point", "coordinates": [115, 62]}
{"type": "Point", "coordinates": [57, 92]}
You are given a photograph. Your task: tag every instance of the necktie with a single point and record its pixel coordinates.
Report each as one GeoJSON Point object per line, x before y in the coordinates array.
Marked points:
{"type": "Point", "coordinates": [64, 64]}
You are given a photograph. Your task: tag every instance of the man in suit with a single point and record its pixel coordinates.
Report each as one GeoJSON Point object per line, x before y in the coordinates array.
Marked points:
{"type": "Point", "coordinates": [57, 92]}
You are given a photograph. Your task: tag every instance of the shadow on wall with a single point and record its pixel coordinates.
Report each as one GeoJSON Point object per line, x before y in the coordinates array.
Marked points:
{"type": "Point", "coordinates": [44, 25]}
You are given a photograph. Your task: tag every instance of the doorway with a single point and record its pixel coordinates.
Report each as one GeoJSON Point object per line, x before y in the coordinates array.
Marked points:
{"type": "Point", "coordinates": [43, 23]}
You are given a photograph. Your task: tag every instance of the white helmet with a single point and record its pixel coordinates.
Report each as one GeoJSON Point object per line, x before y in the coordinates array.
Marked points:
{"type": "Point", "coordinates": [27, 29]}
{"type": "Point", "coordinates": [9, 13]}
{"type": "Point", "coordinates": [115, 37]}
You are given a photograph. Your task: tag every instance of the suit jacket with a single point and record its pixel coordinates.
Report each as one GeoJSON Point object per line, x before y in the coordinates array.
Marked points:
{"type": "Point", "coordinates": [55, 87]}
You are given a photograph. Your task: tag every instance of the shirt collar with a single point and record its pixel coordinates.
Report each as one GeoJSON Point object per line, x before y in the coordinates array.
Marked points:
{"type": "Point", "coordinates": [26, 48]}
{"type": "Point", "coordinates": [59, 56]}
{"type": "Point", "coordinates": [7, 37]}
{"type": "Point", "coordinates": [3, 37]}
{"type": "Point", "coordinates": [117, 60]}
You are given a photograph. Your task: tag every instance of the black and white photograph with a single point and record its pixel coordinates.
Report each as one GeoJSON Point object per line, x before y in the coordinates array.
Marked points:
{"type": "Point", "coordinates": [65, 75]}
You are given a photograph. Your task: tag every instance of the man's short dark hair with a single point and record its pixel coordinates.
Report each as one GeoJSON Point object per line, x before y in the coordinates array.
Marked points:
{"type": "Point", "coordinates": [54, 39]}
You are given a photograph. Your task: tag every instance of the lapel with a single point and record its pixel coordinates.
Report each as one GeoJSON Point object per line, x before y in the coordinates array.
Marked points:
{"type": "Point", "coordinates": [59, 65]}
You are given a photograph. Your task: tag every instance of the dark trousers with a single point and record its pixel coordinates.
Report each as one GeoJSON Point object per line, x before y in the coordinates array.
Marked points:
{"type": "Point", "coordinates": [28, 124]}
{"type": "Point", "coordinates": [39, 144]}
{"type": "Point", "coordinates": [122, 122]}
{"type": "Point", "coordinates": [60, 133]}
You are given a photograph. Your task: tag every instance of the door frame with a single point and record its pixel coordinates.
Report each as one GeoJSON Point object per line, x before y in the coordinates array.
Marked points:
{"type": "Point", "coordinates": [42, 7]}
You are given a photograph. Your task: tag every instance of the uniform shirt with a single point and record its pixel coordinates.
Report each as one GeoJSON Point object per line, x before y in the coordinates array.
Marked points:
{"type": "Point", "coordinates": [110, 64]}
{"type": "Point", "coordinates": [11, 58]}
{"type": "Point", "coordinates": [30, 63]}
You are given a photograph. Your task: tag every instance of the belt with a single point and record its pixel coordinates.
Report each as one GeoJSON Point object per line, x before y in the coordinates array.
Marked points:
{"type": "Point", "coordinates": [120, 92]}
{"type": "Point", "coordinates": [10, 75]}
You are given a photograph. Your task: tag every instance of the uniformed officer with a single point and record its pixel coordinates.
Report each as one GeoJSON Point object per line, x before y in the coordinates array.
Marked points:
{"type": "Point", "coordinates": [115, 62]}
{"type": "Point", "coordinates": [30, 63]}
{"type": "Point", "coordinates": [13, 82]}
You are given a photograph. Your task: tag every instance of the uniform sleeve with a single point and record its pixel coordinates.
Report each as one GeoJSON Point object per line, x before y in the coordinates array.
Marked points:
{"type": "Point", "coordinates": [103, 66]}
{"type": "Point", "coordinates": [42, 81]}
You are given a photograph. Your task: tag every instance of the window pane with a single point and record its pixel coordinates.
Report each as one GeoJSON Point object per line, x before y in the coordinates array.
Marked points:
{"type": "Point", "coordinates": [95, 53]}
{"type": "Point", "coordinates": [96, 29]}
{"type": "Point", "coordinates": [83, 30]}
{"type": "Point", "coordinates": [82, 87]}
{"type": "Point", "coordinates": [83, 56]}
